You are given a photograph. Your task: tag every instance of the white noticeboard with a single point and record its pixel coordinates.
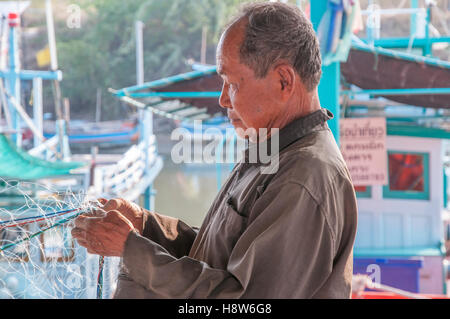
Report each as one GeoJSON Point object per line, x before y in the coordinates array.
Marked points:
{"type": "Point", "coordinates": [363, 146]}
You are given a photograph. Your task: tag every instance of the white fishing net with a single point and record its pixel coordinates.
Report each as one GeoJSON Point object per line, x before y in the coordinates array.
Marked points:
{"type": "Point", "coordinates": [38, 256]}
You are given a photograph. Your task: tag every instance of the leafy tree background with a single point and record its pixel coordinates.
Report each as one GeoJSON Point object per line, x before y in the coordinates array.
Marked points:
{"type": "Point", "coordinates": [101, 54]}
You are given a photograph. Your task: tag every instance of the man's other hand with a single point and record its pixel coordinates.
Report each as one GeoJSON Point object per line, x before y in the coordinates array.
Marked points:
{"type": "Point", "coordinates": [128, 209]}
{"type": "Point", "coordinates": [105, 236]}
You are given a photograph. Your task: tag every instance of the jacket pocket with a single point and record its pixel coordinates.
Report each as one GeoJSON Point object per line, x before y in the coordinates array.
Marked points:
{"type": "Point", "coordinates": [233, 224]}
{"type": "Point", "coordinates": [224, 231]}
{"type": "Point", "coordinates": [235, 221]}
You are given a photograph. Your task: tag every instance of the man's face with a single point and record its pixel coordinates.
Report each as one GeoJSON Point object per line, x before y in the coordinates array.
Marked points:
{"type": "Point", "coordinates": [250, 101]}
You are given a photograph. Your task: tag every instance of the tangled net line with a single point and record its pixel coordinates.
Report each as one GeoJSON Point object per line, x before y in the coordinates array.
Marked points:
{"type": "Point", "coordinates": [38, 256]}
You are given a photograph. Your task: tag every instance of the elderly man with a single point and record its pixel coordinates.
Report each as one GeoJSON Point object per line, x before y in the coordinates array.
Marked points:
{"type": "Point", "coordinates": [283, 235]}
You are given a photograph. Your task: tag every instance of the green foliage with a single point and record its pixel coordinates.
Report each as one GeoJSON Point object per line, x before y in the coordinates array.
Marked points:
{"type": "Point", "coordinates": [102, 53]}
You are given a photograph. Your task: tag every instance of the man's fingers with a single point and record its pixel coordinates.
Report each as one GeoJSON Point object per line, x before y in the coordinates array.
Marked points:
{"type": "Point", "coordinates": [105, 206]}
{"type": "Point", "coordinates": [83, 243]}
{"type": "Point", "coordinates": [80, 236]}
{"type": "Point", "coordinates": [114, 216]}
{"type": "Point", "coordinates": [91, 243]}
{"type": "Point", "coordinates": [78, 233]}
{"type": "Point", "coordinates": [113, 204]}
{"type": "Point", "coordinates": [92, 223]}
{"type": "Point", "coordinates": [102, 235]}
{"type": "Point", "coordinates": [117, 218]}
{"type": "Point", "coordinates": [96, 213]}
{"type": "Point", "coordinates": [80, 222]}
{"type": "Point", "coordinates": [85, 222]}
{"type": "Point", "coordinates": [94, 207]}
{"type": "Point", "coordinates": [93, 213]}
{"type": "Point", "coordinates": [91, 251]}
{"type": "Point", "coordinates": [102, 200]}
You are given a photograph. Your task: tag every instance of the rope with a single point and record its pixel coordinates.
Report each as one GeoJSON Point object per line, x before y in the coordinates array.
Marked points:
{"type": "Point", "coordinates": [28, 238]}
{"type": "Point", "coordinates": [101, 263]}
{"type": "Point", "coordinates": [34, 219]}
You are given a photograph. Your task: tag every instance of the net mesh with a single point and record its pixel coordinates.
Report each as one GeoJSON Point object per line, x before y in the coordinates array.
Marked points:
{"type": "Point", "coordinates": [38, 256]}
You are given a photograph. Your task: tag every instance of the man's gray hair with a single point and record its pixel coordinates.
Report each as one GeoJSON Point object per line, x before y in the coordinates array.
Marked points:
{"type": "Point", "coordinates": [277, 31]}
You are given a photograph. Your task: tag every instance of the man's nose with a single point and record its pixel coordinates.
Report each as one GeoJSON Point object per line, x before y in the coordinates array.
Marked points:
{"type": "Point", "coordinates": [224, 99]}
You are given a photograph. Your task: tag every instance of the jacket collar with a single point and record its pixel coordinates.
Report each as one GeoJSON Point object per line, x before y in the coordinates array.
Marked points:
{"type": "Point", "coordinates": [295, 130]}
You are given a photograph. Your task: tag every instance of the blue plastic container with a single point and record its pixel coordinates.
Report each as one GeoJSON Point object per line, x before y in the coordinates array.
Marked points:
{"type": "Point", "coordinates": [401, 273]}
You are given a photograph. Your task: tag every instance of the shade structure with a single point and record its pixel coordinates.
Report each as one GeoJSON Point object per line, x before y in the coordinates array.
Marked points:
{"type": "Point", "coordinates": [382, 69]}
{"type": "Point", "coordinates": [369, 68]}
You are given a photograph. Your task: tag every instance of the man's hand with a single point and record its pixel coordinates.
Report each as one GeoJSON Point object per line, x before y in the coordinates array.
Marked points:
{"type": "Point", "coordinates": [128, 209]}
{"type": "Point", "coordinates": [105, 236]}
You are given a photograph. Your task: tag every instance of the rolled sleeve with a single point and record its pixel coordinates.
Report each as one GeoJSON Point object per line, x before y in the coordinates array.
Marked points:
{"type": "Point", "coordinates": [152, 267]}
{"type": "Point", "coordinates": [171, 233]}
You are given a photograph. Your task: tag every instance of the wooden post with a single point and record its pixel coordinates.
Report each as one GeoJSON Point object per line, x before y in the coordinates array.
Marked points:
{"type": "Point", "coordinates": [98, 106]}
{"type": "Point", "coordinates": [204, 42]}
{"type": "Point", "coordinates": [37, 110]}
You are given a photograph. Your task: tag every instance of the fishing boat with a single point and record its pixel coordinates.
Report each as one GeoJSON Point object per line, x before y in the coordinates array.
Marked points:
{"type": "Point", "coordinates": [105, 133]}
{"type": "Point", "coordinates": [44, 188]}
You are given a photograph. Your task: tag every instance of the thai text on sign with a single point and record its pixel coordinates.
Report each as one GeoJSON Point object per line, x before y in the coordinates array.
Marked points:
{"type": "Point", "coordinates": [363, 146]}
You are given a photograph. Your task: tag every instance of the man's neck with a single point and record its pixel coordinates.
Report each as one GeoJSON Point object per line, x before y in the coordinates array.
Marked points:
{"type": "Point", "coordinates": [299, 107]}
{"type": "Point", "coordinates": [302, 107]}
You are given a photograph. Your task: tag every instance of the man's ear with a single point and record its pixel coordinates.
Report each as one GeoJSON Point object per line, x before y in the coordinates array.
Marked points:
{"type": "Point", "coordinates": [286, 78]}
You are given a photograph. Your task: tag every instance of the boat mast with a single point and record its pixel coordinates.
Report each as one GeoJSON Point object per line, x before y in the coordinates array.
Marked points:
{"type": "Point", "coordinates": [60, 123]}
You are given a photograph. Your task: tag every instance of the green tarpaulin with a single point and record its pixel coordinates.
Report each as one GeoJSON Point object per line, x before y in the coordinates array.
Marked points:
{"type": "Point", "coordinates": [18, 164]}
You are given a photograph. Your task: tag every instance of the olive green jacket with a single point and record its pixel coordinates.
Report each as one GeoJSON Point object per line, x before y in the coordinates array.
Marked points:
{"type": "Point", "coordinates": [288, 234]}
